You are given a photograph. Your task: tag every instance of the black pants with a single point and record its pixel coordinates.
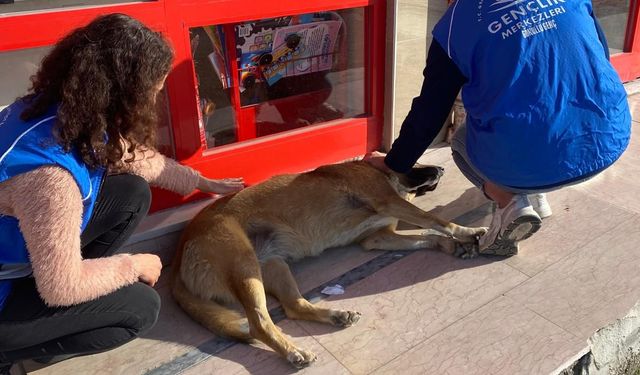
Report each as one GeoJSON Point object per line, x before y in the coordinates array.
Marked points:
{"type": "Point", "coordinates": [31, 330]}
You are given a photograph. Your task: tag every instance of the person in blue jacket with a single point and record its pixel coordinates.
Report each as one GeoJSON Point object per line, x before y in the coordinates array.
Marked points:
{"type": "Point", "coordinates": [545, 108]}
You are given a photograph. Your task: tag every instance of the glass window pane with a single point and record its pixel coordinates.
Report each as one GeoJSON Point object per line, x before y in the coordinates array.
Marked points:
{"type": "Point", "coordinates": [15, 6]}
{"type": "Point", "coordinates": [288, 72]}
{"type": "Point", "coordinates": [211, 65]}
{"type": "Point", "coordinates": [613, 16]}
{"type": "Point", "coordinates": [164, 139]}
{"type": "Point", "coordinates": [15, 69]}
{"type": "Point", "coordinates": [311, 71]}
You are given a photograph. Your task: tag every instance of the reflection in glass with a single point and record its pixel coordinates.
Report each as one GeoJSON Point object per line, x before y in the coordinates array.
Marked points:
{"type": "Point", "coordinates": [218, 116]}
{"type": "Point", "coordinates": [613, 16]}
{"type": "Point", "coordinates": [15, 69]}
{"type": "Point", "coordinates": [164, 135]}
{"type": "Point", "coordinates": [302, 70]}
{"type": "Point", "coordinates": [279, 74]}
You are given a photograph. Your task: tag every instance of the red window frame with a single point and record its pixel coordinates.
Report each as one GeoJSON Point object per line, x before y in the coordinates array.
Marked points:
{"type": "Point", "coordinates": [627, 63]}
{"type": "Point", "coordinates": [256, 159]}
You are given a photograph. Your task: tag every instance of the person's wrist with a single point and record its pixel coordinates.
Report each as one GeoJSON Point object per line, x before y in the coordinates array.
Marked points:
{"type": "Point", "coordinates": [386, 166]}
{"type": "Point", "coordinates": [135, 262]}
{"type": "Point", "coordinates": [203, 183]}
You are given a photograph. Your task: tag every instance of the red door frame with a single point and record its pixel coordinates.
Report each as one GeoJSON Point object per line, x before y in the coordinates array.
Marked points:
{"type": "Point", "coordinates": [257, 159]}
{"type": "Point", "coordinates": [627, 63]}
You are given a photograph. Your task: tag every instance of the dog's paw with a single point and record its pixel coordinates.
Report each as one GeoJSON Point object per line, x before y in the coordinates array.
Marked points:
{"type": "Point", "coordinates": [301, 358]}
{"type": "Point", "coordinates": [471, 234]}
{"type": "Point", "coordinates": [466, 250]}
{"type": "Point", "coordinates": [342, 318]}
{"type": "Point", "coordinates": [480, 231]}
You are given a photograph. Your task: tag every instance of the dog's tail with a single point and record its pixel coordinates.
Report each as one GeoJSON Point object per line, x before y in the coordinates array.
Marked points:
{"type": "Point", "coordinates": [218, 318]}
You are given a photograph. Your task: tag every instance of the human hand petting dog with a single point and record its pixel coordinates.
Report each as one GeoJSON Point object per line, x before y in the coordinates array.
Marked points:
{"type": "Point", "coordinates": [376, 159]}
{"type": "Point", "coordinates": [221, 186]}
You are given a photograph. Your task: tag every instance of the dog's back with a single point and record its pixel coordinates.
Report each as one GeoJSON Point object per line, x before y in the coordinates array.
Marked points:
{"type": "Point", "coordinates": [294, 216]}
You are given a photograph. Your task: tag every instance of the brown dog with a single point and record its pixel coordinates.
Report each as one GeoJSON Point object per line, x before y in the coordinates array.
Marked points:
{"type": "Point", "coordinates": [236, 249]}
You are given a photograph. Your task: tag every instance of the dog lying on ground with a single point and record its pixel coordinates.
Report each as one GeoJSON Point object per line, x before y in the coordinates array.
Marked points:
{"type": "Point", "coordinates": [236, 249]}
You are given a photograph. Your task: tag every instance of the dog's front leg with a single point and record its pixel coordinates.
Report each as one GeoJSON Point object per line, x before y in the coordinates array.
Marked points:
{"type": "Point", "coordinates": [396, 207]}
{"type": "Point", "coordinates": [387, 239]}
{"type": "Point", "coordinates": [280, 283]}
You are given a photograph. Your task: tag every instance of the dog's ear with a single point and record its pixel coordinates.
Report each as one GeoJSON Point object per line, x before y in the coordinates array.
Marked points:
{"type": "Point", "coordinates": [422, 178]}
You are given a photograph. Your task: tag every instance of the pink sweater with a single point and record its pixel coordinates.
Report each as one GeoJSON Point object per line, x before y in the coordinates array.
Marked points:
{"type": "Point", "coordinates": [48, 204]}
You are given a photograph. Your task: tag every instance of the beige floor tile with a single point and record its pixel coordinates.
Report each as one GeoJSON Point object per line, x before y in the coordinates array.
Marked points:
{"type": "Point", "coordinates": [259, 359]}
{"type": "Point", "coordinates": [312, 272]}
{"type": "Point", "coordinates": [500, 338]}
{"type": "Point", "coordinates": [634, 106]}
{"type": "Point", "coordinates": [410, 61]}
{"type": "Point", "coordinates": [592, 286]}
{"type": "Point", "coordinates": [437, 154]}
{"type": "Point", "coordinates": [454, 196]}
{"type": "Point", "coordinates": [411, 21]}
{"type": "Point", "coordinates": [576, 221]}
{"type": "Point", "coordinates": [407, 302]}
{"type": "Point", "coordinates": [166, 246]}
{"type": "Point", "coordinates": [416, 2]}
{"type": "Point", "coordinates": [619, 184]}
{"type": "Point", "coordinates": [173, 335]}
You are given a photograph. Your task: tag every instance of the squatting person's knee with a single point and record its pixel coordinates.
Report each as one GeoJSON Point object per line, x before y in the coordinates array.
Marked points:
{"type": "Point", "coordinates": [138, 189]}
{"type": "Point", "coordinates": [144, 305]}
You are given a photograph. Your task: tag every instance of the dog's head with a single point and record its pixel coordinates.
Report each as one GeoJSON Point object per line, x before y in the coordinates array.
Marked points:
{"type": "Point", "coordinates": [420, 179]}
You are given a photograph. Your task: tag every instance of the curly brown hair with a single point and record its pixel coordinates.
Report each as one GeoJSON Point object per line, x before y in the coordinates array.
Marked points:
{"type": "Point", "coordinates": [103, 77]}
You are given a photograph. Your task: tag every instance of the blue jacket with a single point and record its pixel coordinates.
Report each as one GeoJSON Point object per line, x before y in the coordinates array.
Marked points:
{"type": "Point", "coordinates": [544, 104]}
{"type": "Point", "coordinates": [25, 146]}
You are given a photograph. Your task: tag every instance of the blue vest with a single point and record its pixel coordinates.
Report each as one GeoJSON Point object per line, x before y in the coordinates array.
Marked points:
{"type": "Point", "coordinates": [544, 104]}
{"type": "Point", "coordinates": [25, 146]}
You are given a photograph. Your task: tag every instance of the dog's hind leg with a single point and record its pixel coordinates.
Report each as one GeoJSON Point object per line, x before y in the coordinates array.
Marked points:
{"type": "Point", "coordinates": [222, 264]}
{"type": "Point", "coordinates": [279, 282]}
{"type": "Point", "coordinates": [249, 289]}
{"type": "Point", "coordinates": [216, 317]}
{"type": "Point", "coordinates": [387, 239]}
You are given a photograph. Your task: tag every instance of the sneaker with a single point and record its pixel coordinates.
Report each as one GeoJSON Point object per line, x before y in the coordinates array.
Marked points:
{"type": "Point", "coordinates": [510, 225]}
{"type": "Point", "coordinates": [541, 205]}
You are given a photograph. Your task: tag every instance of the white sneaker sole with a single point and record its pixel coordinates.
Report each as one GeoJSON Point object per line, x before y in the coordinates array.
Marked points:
{"type": "Point", "coordinates": [507, 243]}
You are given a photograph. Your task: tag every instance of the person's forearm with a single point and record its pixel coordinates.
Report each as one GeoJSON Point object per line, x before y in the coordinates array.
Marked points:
{"type": "Point", "coordinates": [429, 111]}
{"type": "Point", "coordinates": [159, 170]}
{"type": "Point", "coordinates": [49, 208]}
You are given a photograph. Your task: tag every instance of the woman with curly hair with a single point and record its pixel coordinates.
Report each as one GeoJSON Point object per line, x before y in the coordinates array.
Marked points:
{"type": "Point", "coordinates": [76, 161]}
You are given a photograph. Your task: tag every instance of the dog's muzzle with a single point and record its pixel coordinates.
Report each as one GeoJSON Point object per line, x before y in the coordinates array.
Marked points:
{"type": "Point", "coordinates": [423, 178]}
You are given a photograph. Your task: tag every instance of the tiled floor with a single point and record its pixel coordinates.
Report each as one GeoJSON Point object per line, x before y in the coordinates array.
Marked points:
{"type": "Point", "coordinates": [429, 313]}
